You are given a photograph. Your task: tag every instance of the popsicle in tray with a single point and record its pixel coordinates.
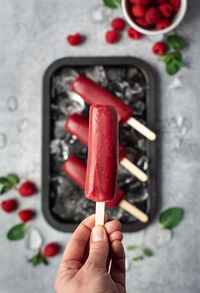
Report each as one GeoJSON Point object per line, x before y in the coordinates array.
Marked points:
{"type": "Point", "coordinates": [75, 168]}
{"type": "Point", "coordinates": [78, 124]}
{"type": "Point", "coordinates": [93, 93]}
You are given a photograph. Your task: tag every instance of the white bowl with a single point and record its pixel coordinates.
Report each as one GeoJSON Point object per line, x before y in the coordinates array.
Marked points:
{"type": "Point", "coordinates": [177, 19]}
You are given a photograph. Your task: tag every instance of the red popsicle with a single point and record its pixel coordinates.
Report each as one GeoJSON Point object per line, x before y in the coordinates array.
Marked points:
{"type": "Point", "coordinates": [78, 124]}
{"type": "Point", "coordinates": [75, 168]}
{"type": "Point", "coordinates": [93, 93]}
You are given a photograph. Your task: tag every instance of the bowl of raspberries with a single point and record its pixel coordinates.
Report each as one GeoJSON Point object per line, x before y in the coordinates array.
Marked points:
{"type": "Point", "coordinates": [154, 17]}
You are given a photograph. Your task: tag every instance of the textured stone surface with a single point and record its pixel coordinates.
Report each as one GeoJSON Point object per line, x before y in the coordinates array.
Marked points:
{"type": "Point", "coordinates": [32, 35]}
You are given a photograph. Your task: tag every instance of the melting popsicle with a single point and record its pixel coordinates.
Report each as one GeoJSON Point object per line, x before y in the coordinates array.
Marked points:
{"type": "Point", "coordinates": [75, 168]}
{"type": "Point", "coordinates": [78, 124]}
{"type": "Point", "coordinates": [93, 93]}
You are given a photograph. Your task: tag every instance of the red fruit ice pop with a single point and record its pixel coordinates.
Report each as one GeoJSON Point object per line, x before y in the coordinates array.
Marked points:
{"type": "Point", "coordinates": [102, 163]}
{"type": "Point", "coordinates": [78, 124]}
{"type": "Point", "coordinates": [92, 93]}
{"type": "Point", "coordinates": [75, 168]}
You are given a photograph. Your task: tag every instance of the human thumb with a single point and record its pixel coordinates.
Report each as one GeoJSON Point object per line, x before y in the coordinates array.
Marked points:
{"type": "Point", "coordinates": [99, 247]}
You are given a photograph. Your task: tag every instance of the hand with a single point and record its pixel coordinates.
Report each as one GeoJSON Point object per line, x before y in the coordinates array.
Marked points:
{"type": "Point", "coordinates": [84, 265]}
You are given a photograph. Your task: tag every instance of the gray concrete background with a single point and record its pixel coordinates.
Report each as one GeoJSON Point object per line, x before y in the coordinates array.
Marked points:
{"type": "Point", "coordinates": [32, 35]}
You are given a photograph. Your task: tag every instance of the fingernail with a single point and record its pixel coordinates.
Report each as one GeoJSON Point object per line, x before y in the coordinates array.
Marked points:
{"type": "Point", "coordinates": [98, 233]}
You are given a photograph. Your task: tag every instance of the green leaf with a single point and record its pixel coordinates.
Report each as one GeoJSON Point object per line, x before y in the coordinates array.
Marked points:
{"type": "Point", "coordinates": [3, 180]}
{"type": "Point", "coordinates": [17, 232]}
{"type": "Point", "coordinates": [12, 179]}
{"type": "Point", "coordinates": [165, 58]}
{"type": "Point", "coordinates": [175, 42]}
{"type": "Point", "coordinates": [171, 217]}
{"type": "Point", "coordinates": [172, 67]}
{"type": "Point", "coordinates": [139, 257]}
{"type": "Point", "coordinates": [131, 247]}
{"type": "Point", "coordinates": [37, 259]}
{"type": "Point", "coordinates": [5, 188]}
{"type": "Point", "coordinates": [112, 3]}
{"type": "Point", "coordinates": [177, 56]}
{"type": "Point", "coordinates": [147, 252]}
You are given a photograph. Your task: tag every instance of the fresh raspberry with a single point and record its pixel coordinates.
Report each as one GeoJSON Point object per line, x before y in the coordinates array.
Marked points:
{"type": "Point", "coordinates": [27, 189]}
{"type": "Point", "coordinates": [163, 24]}
{"type": "Point", "coordinates": [140, 2]}
{"type": "Point", "coordinates": [141, 22]}
{"type": "Point", "coordinates": [159, 48]}
{"type": "Point", "coordinates": [51, 249]}
{"type": "Point", "coordinates": [165, 10]}
{"type": "Point", "coordinates": [175, 4]}
{"type": "Point", "coordinates": [26, 215]}
{"type": "Point", "coordinates": [162, 1]}
{"type": "Point", "coordinates": [133, 34]}
{"type": "Point", "coordinates": [9, 205]}
{"type": "Point", "coordinates": [74, 40]}
{"type": "Point", "coordinates": [152, 16]}
{"type": "Point", "coordinates": [139, 11]}
{"type": "Point", "coordinates": [118, 24]}
{"type": "Point", "coordinates": [111, 37]}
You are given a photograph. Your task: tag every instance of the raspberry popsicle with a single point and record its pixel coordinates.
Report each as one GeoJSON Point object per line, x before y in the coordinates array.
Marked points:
{"type": "Point", "coordinates": [102, 163]}
{"type": "Point", "coordinates": [75, 168]}
{"type": "Point", "coordinates": [78, 124]}
{"type": "Point", "coordinates": [92, 93]}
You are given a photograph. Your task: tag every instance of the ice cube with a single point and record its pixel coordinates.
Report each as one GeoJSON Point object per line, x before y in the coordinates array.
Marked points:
{"type": "Point", "coordinates": [33, 239]}
{"type": "Point", "coordinates": [22, 124]}
{"type": "Point", "coordinates": [157, 236]}
{"type": "Point", "coordinates": [12, 104]}
{"type": "Point", "coordinates": [97, 73]}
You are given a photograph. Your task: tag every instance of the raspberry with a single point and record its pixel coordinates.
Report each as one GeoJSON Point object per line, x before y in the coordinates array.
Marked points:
{"type": "Point", "coordinates": [26, 215]}
{"type": "Point", "coordinates": [165, 10]}
{"type": "Point", "coordinates": [152, 16]}
{"type": "Point", "coordinates": [27, 189]}
{"type": "Point", "coordinates": [163, 24]}
{"type": "Point", "coordinates": [140, 2]}
{"type": "Point", "coordinates": [9, 205]}
{"type": "Point", "coordinates": [175, 4]}
{"type": "Point", "coordinates": [118, 24]}
{"type": "Point", "coordinates": [74, 40]}
{"type": "Point", "coordinates": [133, 34]}
{"type": "Point", "coordinates": [139, 11]}
{"type": "Point", "coordinates": [111, 37]}
{"type": "Point", "coordinates": [159, 48]}
{"type": "Point", "coordinates": [142, 23]}
{"type": "Point", "coordinates": [51, 249]}
{"type": "Point", "coordinates": [162, 1]}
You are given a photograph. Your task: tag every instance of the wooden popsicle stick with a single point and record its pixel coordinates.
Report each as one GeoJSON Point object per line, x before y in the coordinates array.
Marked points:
{"type": "Point", "coordinates": [137, 172]}
{"type": "Point", "coordinates": [138, 214]}
{"type": "Point", "coordinates": [141, 128]}
{"type": "Point", "coordinates": [99, 214]}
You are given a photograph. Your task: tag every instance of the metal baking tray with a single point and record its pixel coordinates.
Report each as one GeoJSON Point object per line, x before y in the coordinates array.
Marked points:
{"type": "Point", "coordinates": [63, 202]}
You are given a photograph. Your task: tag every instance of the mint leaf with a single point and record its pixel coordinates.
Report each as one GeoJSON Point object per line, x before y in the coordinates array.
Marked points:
{"type": "Point", "coordinates": [112, 3]}
{"type": "Point", "coordinates": [12, 179]}
{"type": "Point", "coordinates": [175, 42]}
{"type": "Point", "coordinates": [171, 217]}
{"type": "Point", "coordinates": [5, 188]}
{"type": "Point", "coordinates": [17, 232]}
{"type": "Point", "coordinates": [147, 252]}
{"type": "Point", "coordinates": [37, 259]}
{"type": "Point", "coordinates": [131, 247]}
{"type": "Point", "coordinates": [172, 67]}
{"type": "Point", "coordinates": [165, 58]}
{"type": "Point", "coordinates": [139, 257]}
{"type": "Point", "coordinates": [3, 180]}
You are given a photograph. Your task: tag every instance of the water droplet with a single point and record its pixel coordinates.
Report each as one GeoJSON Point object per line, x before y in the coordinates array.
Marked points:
{"type": "Point", "coordinates": [22, 124]}
{"type": "Point", "coordinates": [3, 140]}
{"type": "Point", "coordinates": [176, 83]}
{"type": "Point", "coordinates": [33, 239]}
{"type": "Point", "coordinates": [159, 237]}
{"type": "Point", "coordinates": [12, 104]}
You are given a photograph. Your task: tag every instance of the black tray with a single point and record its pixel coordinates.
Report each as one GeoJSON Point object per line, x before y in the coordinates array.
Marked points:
{"type": "Point", "coordinates": [48, 184]}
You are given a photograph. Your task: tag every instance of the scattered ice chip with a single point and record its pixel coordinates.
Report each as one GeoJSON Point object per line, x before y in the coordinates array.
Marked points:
{"type": "Point", "coordinates": [100, 13]}
{"type": "Point", "coordinates": [22, 124]}
{"type": "Point", "coordinates": [143, 163]}
{"type": "Point", "coordinates": [12, 104]}
{"type": "Point", "coordinates": [3, 140]}
{"type": "Point", "coordinates": [176, 83]}
{"type": "Point", "coordinates": [33, 239]}
{"type": "Point", "coordinates": [157, 236]}
{"type": "Point", "coordinates": [71, 105]}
